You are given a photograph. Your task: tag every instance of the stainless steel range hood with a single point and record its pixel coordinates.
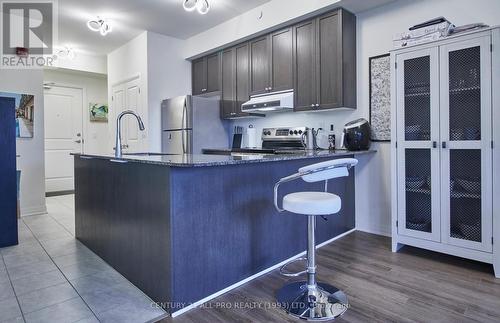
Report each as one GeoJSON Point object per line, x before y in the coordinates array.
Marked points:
{"type": "Point", "coordinates": [269, 102]}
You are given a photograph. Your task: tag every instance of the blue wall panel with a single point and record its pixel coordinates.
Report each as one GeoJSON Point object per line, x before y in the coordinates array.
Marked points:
{"type": "Point", "coordinates": [8, 190]}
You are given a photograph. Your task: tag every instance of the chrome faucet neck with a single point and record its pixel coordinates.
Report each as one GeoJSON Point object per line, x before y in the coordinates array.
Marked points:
{"type": "Point", "coordinates": [118, 141]}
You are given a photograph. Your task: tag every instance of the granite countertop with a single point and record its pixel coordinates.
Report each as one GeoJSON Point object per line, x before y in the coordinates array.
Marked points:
{"type": "Point", "coordinates": [195, 160]}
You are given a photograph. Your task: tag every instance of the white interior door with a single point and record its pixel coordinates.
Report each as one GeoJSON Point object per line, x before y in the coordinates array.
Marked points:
{"type": "Point", "coordinates": [466, 134]}
{"type": "Point", "coordinates": [63, 108]}
{"type": "Point", "coordinates": [417, 89]}
{"type": "Point", "coordinates": [132, 94]}
{"type": "Point", "coordinates": [126, 96]}
{"type": "Point", "coordinates": [118, 105]}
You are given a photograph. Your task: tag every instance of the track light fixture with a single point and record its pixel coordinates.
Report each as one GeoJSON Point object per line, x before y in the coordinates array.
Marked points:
{"type": "Point", "coordinates": [202, 6]}
{"type": "Point", "coordinates": [99, 25]}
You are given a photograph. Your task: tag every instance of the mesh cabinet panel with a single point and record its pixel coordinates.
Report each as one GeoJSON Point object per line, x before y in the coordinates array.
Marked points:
{"type": "Point", "coordinates": [417, 78]}
{"type": "Point", "coordinates": [465, 199]}
{"type": "Point", "coordinates": [418, 190]}
{"type": "Point", "coordinates": [465, 94]}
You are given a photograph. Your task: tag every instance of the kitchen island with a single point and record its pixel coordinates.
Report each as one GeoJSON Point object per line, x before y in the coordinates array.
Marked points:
{"type": "Point", "coordinates": [185, 227]}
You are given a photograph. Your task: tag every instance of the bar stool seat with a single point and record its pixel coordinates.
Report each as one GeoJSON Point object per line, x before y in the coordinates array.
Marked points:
{"type": "Point", "coordinates": [312, 203]}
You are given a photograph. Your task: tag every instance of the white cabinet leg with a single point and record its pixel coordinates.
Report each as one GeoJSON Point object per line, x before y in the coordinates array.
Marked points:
{"type": "Point", "coordinates": [396, 246]}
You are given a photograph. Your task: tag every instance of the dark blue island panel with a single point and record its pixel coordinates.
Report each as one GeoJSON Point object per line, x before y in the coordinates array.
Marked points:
{"type": "Point", "coordinates": [8, 189]}
{"type": "Point", "coordinates": [182, 234]}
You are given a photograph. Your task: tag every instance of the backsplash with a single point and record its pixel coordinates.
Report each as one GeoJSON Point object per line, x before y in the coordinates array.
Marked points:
{"type": "Point", "coordinates": [322, 119]}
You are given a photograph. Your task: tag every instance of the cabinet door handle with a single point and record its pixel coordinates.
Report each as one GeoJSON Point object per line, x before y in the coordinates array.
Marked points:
{"type": "Point", "coordinates": [78, 141]}
{"type": "Point", "coordinates": [434, 144]}
{"type": "Point", "coordinates": [443, 144]}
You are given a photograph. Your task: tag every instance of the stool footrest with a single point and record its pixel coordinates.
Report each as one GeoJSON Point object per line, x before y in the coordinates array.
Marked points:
{"type": "Point", "coordinates": [286, 273]}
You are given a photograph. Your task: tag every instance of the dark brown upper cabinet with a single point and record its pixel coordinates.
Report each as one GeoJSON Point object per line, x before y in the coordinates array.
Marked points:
{"type": "Point", "coordinates": [242, 75]}
{"type": "Point", "coordinates": [281, 60]}
{"type": "Point", "coordinates": [305, 65]}
{"type": "Point", "coordinates": [205, 74]}
{"type": "Point", "coordinates": [325, 62]}
{"type": "Point", "coordinates": [271, 62]}
{"type": "Point", "coordinates": [235, 81]}
{"type": "Point", "coordinates": [260, 63]}
{"type": "Point", "coordinates": [228, 71]}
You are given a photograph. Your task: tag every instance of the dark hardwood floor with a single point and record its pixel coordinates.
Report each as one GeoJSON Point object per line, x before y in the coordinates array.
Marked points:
{"type": "Point", "coordinates": [413, 285]}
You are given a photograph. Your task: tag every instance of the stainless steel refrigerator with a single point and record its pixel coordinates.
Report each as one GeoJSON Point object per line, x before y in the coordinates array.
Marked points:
{"type": "Point", "coordinates": [191, 123]}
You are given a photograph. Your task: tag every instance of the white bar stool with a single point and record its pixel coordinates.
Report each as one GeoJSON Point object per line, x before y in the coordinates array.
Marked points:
{"type": "Point", "coordinates": [309, 299]}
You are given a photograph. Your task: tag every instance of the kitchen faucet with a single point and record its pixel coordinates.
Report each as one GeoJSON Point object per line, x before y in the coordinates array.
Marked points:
{"type": "Point", "coordinates": [118, 145]}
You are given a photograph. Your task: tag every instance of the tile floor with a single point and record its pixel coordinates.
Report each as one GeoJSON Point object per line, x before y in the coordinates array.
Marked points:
{"type": "Point", "coordinates": [52, 277]}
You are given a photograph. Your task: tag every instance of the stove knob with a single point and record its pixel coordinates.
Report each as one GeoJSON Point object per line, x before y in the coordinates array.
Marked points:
{"type": "Point", "coordinates": [295, 132]}
{"type": "Point", "coordinates": [300, 132]}
{"type": "Point", "coordinates": [291, 132]}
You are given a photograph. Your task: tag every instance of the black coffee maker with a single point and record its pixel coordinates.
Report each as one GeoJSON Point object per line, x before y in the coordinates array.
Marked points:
{"type": "Point", "coordinates": [356, 135]}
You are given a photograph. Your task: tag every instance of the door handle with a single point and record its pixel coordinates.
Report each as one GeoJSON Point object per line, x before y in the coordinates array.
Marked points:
{"type": "Point", "coordinates": [434, 144]}
{"type": "Point", "coordinates": [78, 141]}
{"type": "Point", "coordinates": [443, 144]}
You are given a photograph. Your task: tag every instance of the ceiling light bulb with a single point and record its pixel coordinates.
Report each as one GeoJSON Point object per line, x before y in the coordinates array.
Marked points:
{"type": "Point", "coordinates": [190, 5]}
{"type": "Point", "coordinates": [203, 6]}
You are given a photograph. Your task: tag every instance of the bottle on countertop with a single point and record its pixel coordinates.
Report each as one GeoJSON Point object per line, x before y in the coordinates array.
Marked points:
{"type": "Point", "coordinates": [331, 138]}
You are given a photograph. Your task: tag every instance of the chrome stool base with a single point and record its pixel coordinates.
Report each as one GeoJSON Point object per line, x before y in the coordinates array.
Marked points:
{"type": "Point", "coordinates": [320, 303]}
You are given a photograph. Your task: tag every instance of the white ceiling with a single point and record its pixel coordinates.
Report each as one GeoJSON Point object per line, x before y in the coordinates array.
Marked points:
{"type": "Point", "coordinates": [130, 17]}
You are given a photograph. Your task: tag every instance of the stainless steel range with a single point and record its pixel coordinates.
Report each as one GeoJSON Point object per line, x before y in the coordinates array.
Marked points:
{"type": "Point", "coordinates": [283, 140]}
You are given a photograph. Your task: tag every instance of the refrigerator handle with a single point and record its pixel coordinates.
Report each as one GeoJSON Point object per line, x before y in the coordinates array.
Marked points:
{"type": "Point", "coordinates": [184, 113]}
{"type": "Point", "coordinates": [183, 142]}
{"type": "Point", "coordinates": [184, 126]}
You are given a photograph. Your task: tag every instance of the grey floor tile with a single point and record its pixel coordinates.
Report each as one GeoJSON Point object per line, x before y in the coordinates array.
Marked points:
{"type": "Point", "coordinates": [130, 313]}
{"type": "Point", "coordinates": [4, 277]}
{"type": "Point", "coordinates": [81, 255]}
{"type": "Point", "coordinates": [9, 309]}
{"type": "Point", "coordinates": [22, 249]}
{"type": "Point", "coordinates": [25, 259]}
{"type": "Point", "coordinates": [70, 311]}
{"type": "Point", "coordinates": [90, 319]}
{"type": "Point", "coordinates": [45, 297]}
{"type": "Point", "coordinates": [38, 281]}
{"type": "Point", "coordinates": [54, 235]}
{"type": "Point", "coordinates": [105, 300]}
{"type": "Point", "coordinates": [26, 237]}
{"type": "Point", "coordinates": [116, 295]}
{"type": "Point", "coordinates": [32, 269]}
{"type": "Point", "coordinates": [6, 291]}
{"type": "Point", "coordinates": [18, 319]}
{"type": "Point", "coordinates": [63, 246]}
{"type": "Point", "coordinates": [100, 282]}
{"type": "Point", "coordinates": [89, 284]}
{"type": "Point", "coordinates": [82, 269]}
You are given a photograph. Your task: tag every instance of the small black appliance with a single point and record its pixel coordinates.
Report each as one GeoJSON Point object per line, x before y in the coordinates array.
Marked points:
{"type": "Point", "coordinates": [356, 135]}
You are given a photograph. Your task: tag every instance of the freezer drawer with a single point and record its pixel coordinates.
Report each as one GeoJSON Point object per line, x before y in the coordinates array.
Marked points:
{"type": "Point", "coordinates": [177, 142]}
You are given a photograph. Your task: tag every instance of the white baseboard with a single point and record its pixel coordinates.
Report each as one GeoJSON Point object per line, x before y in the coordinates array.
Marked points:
{"type": "Point", "coordinates": [377, 231]}
{"type": "Point", "coordinates": [246, 280]}
{"type": "Point", "coordinates": [34, 210]}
